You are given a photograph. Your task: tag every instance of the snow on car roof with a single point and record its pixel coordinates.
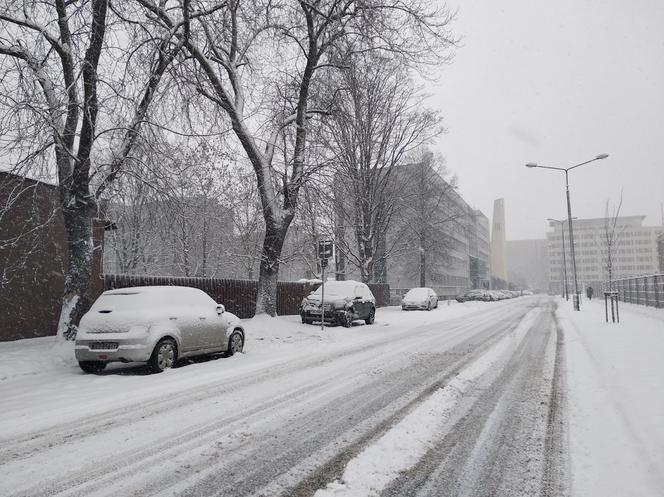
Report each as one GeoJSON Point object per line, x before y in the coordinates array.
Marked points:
{"type": "Point", "coordinates": [151, 289]}
{"type": "Point", "coordinates": [153, 295]}
{"type": "Point", "coordinates": [417, 292]}
{"type": "Point", "coordinates": [346, 287]}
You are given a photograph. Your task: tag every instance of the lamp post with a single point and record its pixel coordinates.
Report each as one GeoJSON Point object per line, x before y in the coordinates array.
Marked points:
{"type": "Point", "coordinates": [577, 300]}
{"type": "Point", "coordinates": [562, 231]}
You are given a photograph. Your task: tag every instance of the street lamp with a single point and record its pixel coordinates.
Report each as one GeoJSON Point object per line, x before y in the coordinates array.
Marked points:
{"type": "Point", "coordinates": [577, 300]}
{"type": "Point", "coordinates": [562, 231]}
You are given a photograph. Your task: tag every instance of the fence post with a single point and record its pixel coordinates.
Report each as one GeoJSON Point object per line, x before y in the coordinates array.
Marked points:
{"type": "Point", "coordinates": [646, 290]}
{"type": "Point", "coordinates": [636, 291]}
{"type": "Point", "coordinates": [655, 282]}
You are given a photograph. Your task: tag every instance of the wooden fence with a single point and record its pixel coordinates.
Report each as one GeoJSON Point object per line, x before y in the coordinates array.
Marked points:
{"type": "Point", "coordinates": [238, 296]}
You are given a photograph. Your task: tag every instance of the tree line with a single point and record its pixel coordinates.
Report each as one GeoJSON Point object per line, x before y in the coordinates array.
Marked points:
{"type": "Point", "coordinates": [265, 106]}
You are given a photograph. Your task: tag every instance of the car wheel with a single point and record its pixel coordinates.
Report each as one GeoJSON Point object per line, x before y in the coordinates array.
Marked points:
{"type": "Point", "coordinates": [372, 316]}
{"type": "Point", "coordinates": [347, 319]}
{"type": "Point", "coordinates": [429, 306]}
{"type": "Point", "coordinates": [164, 355]}
{"type": "Point", "coordinates": [304, 320]}
{"type": "Point", "coordinates": [92, 366]}
{"type": "Point", "coordinates": [235, 344]}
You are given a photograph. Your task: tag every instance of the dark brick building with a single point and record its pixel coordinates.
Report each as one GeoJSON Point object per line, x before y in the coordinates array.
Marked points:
{"type": "Point", "coordinates": [33, 258]}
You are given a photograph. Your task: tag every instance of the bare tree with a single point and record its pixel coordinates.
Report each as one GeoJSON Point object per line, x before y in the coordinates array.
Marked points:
{"type": "Point", "coordinates": [378, 120]}
{"type": "Point", "coordinates": [428, 212]}
{"type": "Point", "coordinates": [175, 217]}
{"type": "Point", "coordinates": [53, 90]}
{"type": "Point", "coordinates": [291, 47]}
{"type": "Point", "coordinates": [610, 240]}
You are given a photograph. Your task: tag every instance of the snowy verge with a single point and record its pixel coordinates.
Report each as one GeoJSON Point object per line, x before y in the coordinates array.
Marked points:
{"type": "Point", "coordinates": [407, 442]}
{"type": "Point", "coordinates": [36, 355]}
{"type": "Point", "coordinates": [616, 400]}
{"type": "Point", "coordinates": [41, 371]}
{"type": "Point", "coordinates": [46, 355]}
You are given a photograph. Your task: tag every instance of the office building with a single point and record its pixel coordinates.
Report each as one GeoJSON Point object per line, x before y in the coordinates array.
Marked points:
{"type": "Point", "coordinates": [630, 249]}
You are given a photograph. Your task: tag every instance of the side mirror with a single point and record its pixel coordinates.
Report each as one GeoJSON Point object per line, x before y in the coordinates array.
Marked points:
{"type": "Point", "coordinates": [220, 309]}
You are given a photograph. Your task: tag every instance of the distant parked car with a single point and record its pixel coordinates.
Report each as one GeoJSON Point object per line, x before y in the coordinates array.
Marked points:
{"type": "Point", "coordinates": [157, 325]}
{"type": "Point", "coordinates": [345, 302]}
{"type": "Point", "coordinates": [419, 298]}
{"type": "Point", "coordinates": [474, 295]}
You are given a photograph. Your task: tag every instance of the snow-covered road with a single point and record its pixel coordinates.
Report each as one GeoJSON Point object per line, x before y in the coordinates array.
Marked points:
{"type": "Point", "coordinates": [463, 400]}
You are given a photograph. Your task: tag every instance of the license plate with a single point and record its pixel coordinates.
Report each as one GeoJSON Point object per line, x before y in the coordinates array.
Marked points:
{"type": "Point", "coordinates": [103, 345]}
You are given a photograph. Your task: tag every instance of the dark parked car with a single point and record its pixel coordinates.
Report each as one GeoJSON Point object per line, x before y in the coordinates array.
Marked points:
{"type": "Point", "coordinates": [344, 301]}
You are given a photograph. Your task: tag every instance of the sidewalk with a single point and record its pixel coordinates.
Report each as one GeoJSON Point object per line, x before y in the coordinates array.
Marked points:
{"type": "Point", "coordinates": [616, 399]}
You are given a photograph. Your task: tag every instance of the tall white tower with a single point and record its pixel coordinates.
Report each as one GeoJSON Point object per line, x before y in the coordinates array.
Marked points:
{"type": "Point", "coordinates": [498, 264]}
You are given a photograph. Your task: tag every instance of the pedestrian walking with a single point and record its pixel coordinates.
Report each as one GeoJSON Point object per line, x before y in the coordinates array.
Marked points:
{"type": "Point", "coordinates": [589, 292]}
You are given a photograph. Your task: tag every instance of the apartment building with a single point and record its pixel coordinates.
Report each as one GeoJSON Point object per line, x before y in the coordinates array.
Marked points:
{"type": "Point", "coordinates": [633, 250]}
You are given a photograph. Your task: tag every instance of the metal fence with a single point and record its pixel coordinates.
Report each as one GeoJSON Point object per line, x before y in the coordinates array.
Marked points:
{"type": "Point", "coordinates": [642, 290]}
{"type": "Point", "coordinates": [238, 296]}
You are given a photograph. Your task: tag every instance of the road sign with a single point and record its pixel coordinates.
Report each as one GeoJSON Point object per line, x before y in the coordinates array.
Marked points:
{"type": "Point", "coordinates": [323, 263]}
{"type": "Point", "coordinates": [325, 249]}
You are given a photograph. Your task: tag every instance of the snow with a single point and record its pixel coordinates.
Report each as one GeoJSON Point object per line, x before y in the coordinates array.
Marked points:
{"type": "Point", "coordinates": [615, 379]}
{"type": "Point", "coordinates": [417, 294]}
{"type": "Point", "coordinates": [344, 288]}
{"type": "Point", "coordinates": [141, 296]}
{"type": "Point", "coordinates": [33, 371]}
{"type": "Point", "coordinates": [42, 388]}
{"type": "Point", "coordinates": [404, 444]}
{"type": "Point", "coordinates": [616, 399]}
{"type": "Point", "coordinates": [36, 356]}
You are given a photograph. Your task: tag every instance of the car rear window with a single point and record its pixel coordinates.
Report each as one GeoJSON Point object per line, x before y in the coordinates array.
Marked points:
{"type": "Point", "coordinates": [417, 293]}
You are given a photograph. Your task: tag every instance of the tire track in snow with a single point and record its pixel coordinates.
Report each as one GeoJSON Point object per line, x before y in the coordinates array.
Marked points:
{"type": "Point", "coordinates": [134, 460]}
{"type": "Point", "coordinates": [23, 446]}
{"type": "Point", "coordinates": [499, 444]}
{"type": "Point", "coordinates": [299, 476]}
{"type": "Point", "coordinates": [555, 480]}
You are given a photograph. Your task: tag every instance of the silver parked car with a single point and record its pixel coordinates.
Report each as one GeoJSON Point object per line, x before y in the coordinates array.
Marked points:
{"type": "Point", "coordinates": [345, 302]}
{"type": "Point", "coordinates": [157, 325]}
{"type": "Point", "coordinates": [419, 298]}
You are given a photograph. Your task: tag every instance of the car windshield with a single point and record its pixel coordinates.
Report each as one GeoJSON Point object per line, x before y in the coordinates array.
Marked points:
{"type": "Point", "coordinates": [337, 289]}
{"type": "Point", "coordinates": [417, 293]}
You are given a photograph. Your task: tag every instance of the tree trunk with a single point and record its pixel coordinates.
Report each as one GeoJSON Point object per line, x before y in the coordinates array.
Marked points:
{"type": "Point", "coordinates": [423, 265]}
{"type": "Point", "coordinates": [76, 300]}
{"type": "Point", "coordinates": [266, 298]}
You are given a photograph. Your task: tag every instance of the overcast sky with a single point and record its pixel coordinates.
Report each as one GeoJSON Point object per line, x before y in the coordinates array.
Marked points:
{"type": "Point", "coordinates": [556, 83]}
